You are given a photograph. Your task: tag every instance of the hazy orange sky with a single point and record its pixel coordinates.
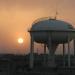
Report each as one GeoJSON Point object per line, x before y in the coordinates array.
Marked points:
{"type": "Point", "coordinates": [17, 16]}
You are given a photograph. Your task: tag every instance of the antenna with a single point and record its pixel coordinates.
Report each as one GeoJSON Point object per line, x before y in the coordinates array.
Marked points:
{"type": "Point", "coordinates": [56, 10]}
{"type": "Point", "coordinates": [56, 15]}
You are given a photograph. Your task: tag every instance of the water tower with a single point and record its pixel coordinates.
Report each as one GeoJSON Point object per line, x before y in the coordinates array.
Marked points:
{"type": "Point", "coordinates": [50, 32]}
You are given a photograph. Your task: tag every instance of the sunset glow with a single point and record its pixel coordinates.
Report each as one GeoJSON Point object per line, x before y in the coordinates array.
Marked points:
{"type": "Point", "coordinates": [20, 40]}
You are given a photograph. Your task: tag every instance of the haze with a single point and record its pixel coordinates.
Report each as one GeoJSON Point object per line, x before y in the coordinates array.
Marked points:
{"type": "Point", "coordinates": [17, 16]}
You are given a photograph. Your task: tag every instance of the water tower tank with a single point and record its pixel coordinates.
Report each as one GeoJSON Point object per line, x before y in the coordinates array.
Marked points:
{"type": "Point", "coordinates": [47, 24]}
{"type": "Point", "coordinates": [50, 24]}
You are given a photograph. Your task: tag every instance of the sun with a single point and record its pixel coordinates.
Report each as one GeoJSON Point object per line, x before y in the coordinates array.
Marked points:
{"type": "Point", "coordinates": [20, 40]}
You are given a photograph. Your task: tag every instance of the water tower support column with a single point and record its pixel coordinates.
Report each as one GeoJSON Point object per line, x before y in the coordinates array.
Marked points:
{"type": "Point", "coordinates": [74, 47]}
{"type": "Point", "coordinates": [63, 55]}
{"type": "Point", "coordinates": [69, 64]}
{"type": "Point", "coordinates": [31, 53]}
{"type": "Point", "coordinates": [45, 55]}
{"type": "Point", "coordinates": [51, 62]}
